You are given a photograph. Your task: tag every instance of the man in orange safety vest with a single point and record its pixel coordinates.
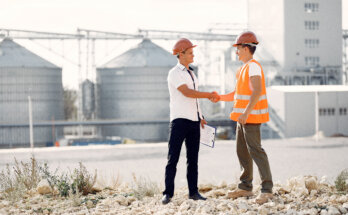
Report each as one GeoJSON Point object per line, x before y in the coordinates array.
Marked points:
{"type": "Point", "coordinates": [250, 110]}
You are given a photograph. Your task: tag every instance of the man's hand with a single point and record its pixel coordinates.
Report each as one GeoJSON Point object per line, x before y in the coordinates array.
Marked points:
{"type": "Point", "coordinates": [203, 122]}
{"type": "Point", "coordinates": [215, 97]}
{"type": "Point", "coordinates": [197, 94]}
{"type": "Point", "coordinates": [243, 118]}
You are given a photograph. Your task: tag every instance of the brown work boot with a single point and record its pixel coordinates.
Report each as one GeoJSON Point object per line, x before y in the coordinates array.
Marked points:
{"type": "Point", "coordinates": [263, 198]}
{"type": "Point", "coordinates": [239, 193]}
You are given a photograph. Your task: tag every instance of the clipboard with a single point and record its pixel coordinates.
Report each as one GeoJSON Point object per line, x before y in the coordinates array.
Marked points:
{"type": "Point", "coordinates": [208, 135]}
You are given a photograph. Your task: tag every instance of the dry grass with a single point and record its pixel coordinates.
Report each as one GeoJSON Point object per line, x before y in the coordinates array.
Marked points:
{"type": "Point", "coordinates": [143, 187]}
{"type": "Point", "coordinates": [17, 180]}
{"type": "Point", "coordinates": [10, 188]}
{"type": "Point", "coordinates": [79, 181]}
{"type": "Point", "coordinates": [27, 174]}
{"type": "Point", "coordinates": [112, 182]}
{"type": "Point", "coordinates": [22, 177]}
{"type": "Point", "coordinates": [82, 180]}
{"type": "Point", "coordinates": [75, 198]}
{"type": "Point", "coordinates": [341, 182]}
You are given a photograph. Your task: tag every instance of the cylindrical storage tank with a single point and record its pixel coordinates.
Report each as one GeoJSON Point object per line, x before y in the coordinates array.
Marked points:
{"type": "Point", "coordinates": [134, 87]}
{"type": "Point", "coordinates": [23, 74]}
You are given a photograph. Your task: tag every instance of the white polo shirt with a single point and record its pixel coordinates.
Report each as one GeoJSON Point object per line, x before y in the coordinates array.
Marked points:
{"type": "Point", "coordinates": [180, 105]}
{"type": "Point", "coordinates": [254, 70]}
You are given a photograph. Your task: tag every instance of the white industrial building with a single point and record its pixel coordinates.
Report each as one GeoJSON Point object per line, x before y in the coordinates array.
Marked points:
{"type": "Point", "coordinates": [304, 37]}
{"type": "Point", "coordinates": [293, 109]}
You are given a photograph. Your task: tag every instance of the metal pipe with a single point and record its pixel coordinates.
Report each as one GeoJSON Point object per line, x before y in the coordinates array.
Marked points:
{"type": "Point", "coordinates": [31, 133]}
{"type": "Point", "coordinates": [316, 116]}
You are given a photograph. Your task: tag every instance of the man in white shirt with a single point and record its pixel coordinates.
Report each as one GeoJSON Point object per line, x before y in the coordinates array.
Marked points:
{"type": "Point", "coordinates": [186, 117]}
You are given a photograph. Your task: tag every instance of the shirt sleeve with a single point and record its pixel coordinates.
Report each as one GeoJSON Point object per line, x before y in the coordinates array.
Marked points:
{"type": "Point", "coordinates": [175, 79]}
{"type": "Point", "coordinates": [254, 69]}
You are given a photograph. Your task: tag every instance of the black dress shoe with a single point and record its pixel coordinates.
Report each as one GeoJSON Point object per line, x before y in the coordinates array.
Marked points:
{"type": "Point", "coordinates": [166, 199]}
{"type": "Point", "coordinates": [197, 196]}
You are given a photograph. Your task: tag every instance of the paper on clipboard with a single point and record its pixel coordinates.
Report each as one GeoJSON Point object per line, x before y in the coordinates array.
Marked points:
{"type": "Point", "coordinates": [208, 135]}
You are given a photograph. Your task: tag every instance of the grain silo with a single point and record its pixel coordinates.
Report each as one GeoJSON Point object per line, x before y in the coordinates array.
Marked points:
{"type": "Point", "coordinates": [133, 86]}
{"type": "Point", "coordinates": [23, 74]}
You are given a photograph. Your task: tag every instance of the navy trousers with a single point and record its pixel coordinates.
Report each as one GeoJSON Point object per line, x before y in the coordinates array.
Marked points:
{"type": "Point", "coordinates": [180, 130]}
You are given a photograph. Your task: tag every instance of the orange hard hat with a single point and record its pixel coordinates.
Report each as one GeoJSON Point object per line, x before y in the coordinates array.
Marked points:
{"type": "Point", "coordinates": [182, 45]}
{"type": "Point", "coordinates": [246, 38]}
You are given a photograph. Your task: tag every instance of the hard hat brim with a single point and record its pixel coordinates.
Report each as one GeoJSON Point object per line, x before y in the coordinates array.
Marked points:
{"type": "Point", "coordinates": [177, 52]}
{"type": "Point", "coordinates": [250, 44]}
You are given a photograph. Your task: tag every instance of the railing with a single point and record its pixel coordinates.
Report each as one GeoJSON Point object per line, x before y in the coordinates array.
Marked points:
{"type": "Point", "coordinates": [214, 122]}
{"type": "Point", "coordinates": [276, 123]}
{"type": "Point", "coordinates": [46, 133]}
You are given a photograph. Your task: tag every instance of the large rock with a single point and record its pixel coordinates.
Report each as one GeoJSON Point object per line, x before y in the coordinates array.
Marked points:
{"type": "Point", "coordinates": [311, 211]}
{"type": "Point", "coordinates": [205, 187]}
{"type": "Point", "coordinates": [219, 192]}
{"type": "Point", "coordinates": [313, 193]}
{"type": "Point", "coordinates": [345, 205]}
{"type": "Point", "coordinates": [263, 210]}
{"type": "Point", "coordinates": [44, 187]}
{"type": "Point", "coordinates": [311, 183]}
{"type": "Point", "coordinates": [222, 207]}
{"type": "Point", "coordinates": [324, 180]}
{"type": "Point", "coordinates": [343, 210]}
{"type": "Point", "coordinates": [121, 200]}
{"type": "Point", "coordinates": [342, 199]}
{"type": "Point", "coordinates": [297, 186]}
{"type": "Point", "coordinates": [243, 206]}
{"type": "Point", "coordinates": [333, 211]}
{"type": "Point", "coordinates": [96, 188]}
{"type": "Point", "coordinates": [323, 212]}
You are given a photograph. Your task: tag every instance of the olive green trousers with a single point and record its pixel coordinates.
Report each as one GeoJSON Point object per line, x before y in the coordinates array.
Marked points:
{"type": "Point", "coordinates": [248, 137]}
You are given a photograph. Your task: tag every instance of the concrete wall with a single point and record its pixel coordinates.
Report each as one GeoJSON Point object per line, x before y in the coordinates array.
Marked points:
{"type": "Point", "coordinates": [276, 100]}
{"type": "Point", "coordinates": [300, 114]}
{"type": "Point", "coordinates": [328, 123]}
{"type": "Point", "coordinates": [297, 111]}
{"type": "Point", "coordinates": [342, 102]}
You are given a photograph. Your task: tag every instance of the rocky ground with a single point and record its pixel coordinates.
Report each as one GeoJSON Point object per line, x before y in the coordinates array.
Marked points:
{"type": "Point", "coordinates": [299, 195]}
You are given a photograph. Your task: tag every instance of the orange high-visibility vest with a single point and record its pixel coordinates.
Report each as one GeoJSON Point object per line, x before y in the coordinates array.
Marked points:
{"type": "Point", "coordinates": [242, 95]}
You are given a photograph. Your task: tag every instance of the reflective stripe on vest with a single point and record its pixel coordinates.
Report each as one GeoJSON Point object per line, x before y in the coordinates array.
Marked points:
{"type": "Point", "coordinates": [247, 97]}
{"type": "Point", "coordinates": [255, 112]}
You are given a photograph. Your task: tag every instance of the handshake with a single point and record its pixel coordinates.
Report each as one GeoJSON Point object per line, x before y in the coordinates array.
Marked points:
{"type": "Point", "coordinates": [214, 97]}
